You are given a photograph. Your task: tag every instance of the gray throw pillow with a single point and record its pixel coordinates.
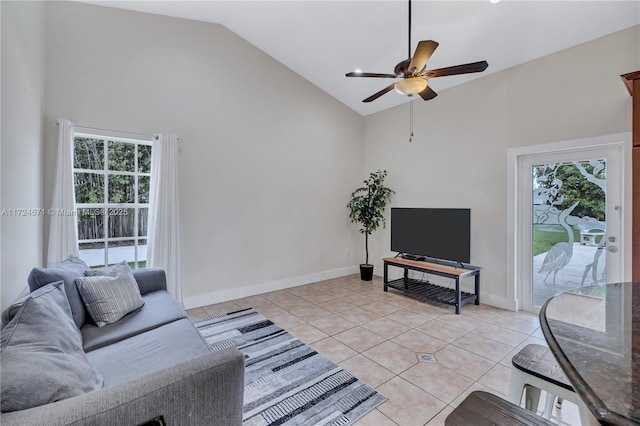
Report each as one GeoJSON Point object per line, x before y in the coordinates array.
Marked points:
{"type": "Point", "coordinates": [41, 356]}
{"type": "Point", "coordinates": [109, 293]}
{"type": "Point", "coordinates": [121, 268]}
{"type": "Point", "coordinates": [68, 271]}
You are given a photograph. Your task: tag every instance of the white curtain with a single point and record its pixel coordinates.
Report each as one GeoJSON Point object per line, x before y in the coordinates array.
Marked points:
{"type": "Point", "coordinates": [163, 250]}
{"type": "Point", "coordinates": [63, 228]}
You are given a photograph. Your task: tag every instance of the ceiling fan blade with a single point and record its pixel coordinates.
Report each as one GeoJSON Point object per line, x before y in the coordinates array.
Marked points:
{"type": "Point", "coordinates": [427, 94]}
{"type": "Point", "coordinates": [457, 69]}
{"type": "Point", "coordinates": [370, 74]}
{"type": "Point", "coordinates": [422, 54]}
{"type": "Point", "coordinates": [380, 93]}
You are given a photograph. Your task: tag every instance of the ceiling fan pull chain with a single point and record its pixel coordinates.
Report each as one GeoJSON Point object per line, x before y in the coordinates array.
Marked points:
{"type": "Point", "coordinates": [411, 120]}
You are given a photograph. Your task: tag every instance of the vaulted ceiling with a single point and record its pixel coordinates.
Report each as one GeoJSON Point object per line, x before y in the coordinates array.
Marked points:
{"type": "Point", "coordinates": [323, 40]}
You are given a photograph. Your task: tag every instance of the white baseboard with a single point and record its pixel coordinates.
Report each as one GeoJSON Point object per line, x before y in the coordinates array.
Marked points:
{"type": "Point", "coordinates": [238, 293]}
{"type": "Point", "coordinates": [498, 301]}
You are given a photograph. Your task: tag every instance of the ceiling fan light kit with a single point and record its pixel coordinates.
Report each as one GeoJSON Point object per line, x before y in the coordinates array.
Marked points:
{"type": "Point", "coordinates": [411, 86]}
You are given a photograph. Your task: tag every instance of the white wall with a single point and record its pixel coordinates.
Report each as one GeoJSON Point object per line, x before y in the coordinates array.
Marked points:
{"type": "Point", "coordinates": [21, 149]}
{"type": "Point", "coordinates": [458, 156]}
{"type": "Point", "coordinates": [268, 160]}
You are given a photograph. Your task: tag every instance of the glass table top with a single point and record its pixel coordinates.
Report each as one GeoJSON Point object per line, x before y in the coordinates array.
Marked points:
{"type": "Point", "coordinates": [594, 332]}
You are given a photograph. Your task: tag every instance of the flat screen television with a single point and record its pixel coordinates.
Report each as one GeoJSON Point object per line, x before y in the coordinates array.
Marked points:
{"type": "Point", "coordinates": [432, 233]}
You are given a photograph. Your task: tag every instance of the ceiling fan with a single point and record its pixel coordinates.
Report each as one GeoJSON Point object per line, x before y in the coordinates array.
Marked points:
{"type": "Point", "coordinates": [413, 74]}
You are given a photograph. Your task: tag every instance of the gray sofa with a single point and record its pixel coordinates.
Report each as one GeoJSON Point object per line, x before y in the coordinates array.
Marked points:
{"type": "Point", "coordinates": [153, 363]}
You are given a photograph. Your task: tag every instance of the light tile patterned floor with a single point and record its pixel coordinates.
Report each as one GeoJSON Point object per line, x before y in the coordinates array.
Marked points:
{"type": "Point", "coordinates": [376, 336]}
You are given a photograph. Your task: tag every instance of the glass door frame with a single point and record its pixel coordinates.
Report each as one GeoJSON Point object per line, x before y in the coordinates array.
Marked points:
{"type": "Point", "coordinates": [519, 213]}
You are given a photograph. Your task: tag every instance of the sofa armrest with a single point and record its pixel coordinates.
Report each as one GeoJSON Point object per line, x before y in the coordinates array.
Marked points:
{"type": "Point", "coordinates": [206, 390]}
{"type": "Point", "coordinates": [150, 279]}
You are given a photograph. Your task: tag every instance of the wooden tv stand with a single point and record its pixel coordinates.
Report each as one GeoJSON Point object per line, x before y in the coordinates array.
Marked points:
{"type": "Point", "coordinates": [425, 290]}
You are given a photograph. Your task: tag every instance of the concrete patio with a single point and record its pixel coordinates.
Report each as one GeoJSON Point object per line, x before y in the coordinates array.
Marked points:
{"type": "Point", "coordinates": [569, 277]}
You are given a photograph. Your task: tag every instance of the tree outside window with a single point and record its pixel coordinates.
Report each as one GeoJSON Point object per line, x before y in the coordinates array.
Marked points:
{"type": "Point", "coordinates": [111, 178]}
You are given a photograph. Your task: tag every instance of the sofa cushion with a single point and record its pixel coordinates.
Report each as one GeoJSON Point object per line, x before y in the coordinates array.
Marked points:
{"type": "Point", "coordinates": [41, 356]}
{"type": "Point", "coordinates": [148, 352]}
{"type": "Point", "coordinates": [111, 295]}
{"type": "Point", "coordinates": [159, 309]}
{"type": "Point", "coordinates": [116, 270]}
{"type": "Point", "coordinates": [68, 271]}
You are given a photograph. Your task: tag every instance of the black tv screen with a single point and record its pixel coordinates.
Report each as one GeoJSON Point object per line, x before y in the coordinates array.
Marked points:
{"type": "Point", "coordinates": [432, 233]}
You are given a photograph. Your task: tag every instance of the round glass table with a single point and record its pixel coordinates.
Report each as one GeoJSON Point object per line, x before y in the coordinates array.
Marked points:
{"type": "Point", "coordinates": [594, 333]}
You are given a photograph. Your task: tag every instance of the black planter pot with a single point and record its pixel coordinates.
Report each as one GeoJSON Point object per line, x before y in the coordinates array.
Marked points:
{"type": "Point", "coordinates": [366, 272]}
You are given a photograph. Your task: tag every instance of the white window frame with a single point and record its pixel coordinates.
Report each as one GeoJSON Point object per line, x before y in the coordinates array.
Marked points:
{"type": "Point", "coordinates": [106, 205]}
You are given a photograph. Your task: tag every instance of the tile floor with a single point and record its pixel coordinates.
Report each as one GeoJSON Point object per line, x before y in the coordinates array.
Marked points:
{"type": "Point", "coordinates": [376, 336]}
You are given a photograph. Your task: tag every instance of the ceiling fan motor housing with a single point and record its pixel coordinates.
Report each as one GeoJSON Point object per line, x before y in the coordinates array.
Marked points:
{"type": "Point", "coordinates": [402, 68]}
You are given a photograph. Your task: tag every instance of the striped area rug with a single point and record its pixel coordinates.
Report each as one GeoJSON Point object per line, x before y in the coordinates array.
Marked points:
{"type": "Point", "coordinates": [286, 381]}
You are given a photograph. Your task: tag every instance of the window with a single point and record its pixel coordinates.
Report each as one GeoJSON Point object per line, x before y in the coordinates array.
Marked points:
{"type": "Point", "coordinates": [111, 179]}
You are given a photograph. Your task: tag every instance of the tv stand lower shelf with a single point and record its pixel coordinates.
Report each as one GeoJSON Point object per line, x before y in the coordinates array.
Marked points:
{"type": "Point", "coordinates": [426, 290]}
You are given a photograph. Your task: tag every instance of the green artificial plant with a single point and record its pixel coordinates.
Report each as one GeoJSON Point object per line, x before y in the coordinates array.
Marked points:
{"type": "Point", "coordinates": [367, 205]}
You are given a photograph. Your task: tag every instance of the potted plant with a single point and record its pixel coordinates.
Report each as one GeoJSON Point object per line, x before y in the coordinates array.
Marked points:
{"type": "Point", "coordinates": [366, 207]}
